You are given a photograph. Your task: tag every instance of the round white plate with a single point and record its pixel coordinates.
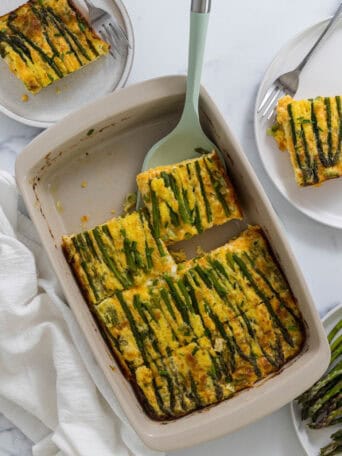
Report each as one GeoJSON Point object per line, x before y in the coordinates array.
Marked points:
{"type": "Point", "coordinates": [313, 440]}
{"type": "Point", "coordinates": [321, 76]}
{"type": "Point", "coordinates": [85, 85]}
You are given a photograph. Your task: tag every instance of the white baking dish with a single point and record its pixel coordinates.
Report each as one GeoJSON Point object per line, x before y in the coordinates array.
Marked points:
{"type": "Point", "coordinates": [103, 145]}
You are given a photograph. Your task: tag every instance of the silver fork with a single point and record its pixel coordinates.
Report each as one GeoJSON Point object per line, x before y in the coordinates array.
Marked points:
{"type": "Point", "coordinates": [287, 83]}
{"type": "Point", "coordinates": [109, 29]}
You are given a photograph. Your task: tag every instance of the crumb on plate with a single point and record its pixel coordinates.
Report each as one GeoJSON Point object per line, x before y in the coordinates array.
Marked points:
{"type": "Point", "coordinates": [59, 206]}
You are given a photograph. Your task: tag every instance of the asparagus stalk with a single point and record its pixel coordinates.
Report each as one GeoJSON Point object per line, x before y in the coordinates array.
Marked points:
{"type": "Point", "coordinates": [148, 254]}
{"type": "Point", "coordinates": [177, 193]}
{"type": "Point", "coordinates": [328, 420]}
{"type": "Point", "coordinates": [335, 447]}
{"type": "Point", "coordinates": [326, 397]}
{"type": "Point", "coordinates": [110, 262]}
{"type": "Point", "coordinates": [217, 188]}
{"type": "Point", "coordinates": [336, 353]}
{"type": "Point", "coordinates": [337, 342]}
{"type": "Point", "coordinates": [204, 194]}
{"type": "Point", "coordinates": [155, 213]}
{"type": "Point", "coordinates": [167, 301]}
{"type": "Point", "coordinates": [197, 219]}
{"type": "Point", "coordinates": [337, 435]}
{"type": "Point", "coordinates": [336, 372]}
{"type": "Point", "coordinates": [327, 104]}
{"type": "Point", "coordinates": [339, 110]}
{"type": "Point", "coordinates": [312, 402]}
{"type": "Point", "coordinates": [178, 300]}
{"type": "Point", "coordinates": [220, 289]}
{"type": "Point", "coordinates": [244, 270]}
{"type": "Point", "coordinates": [334, 331]}
{"type": "Point", "coordinates": [204, 276]}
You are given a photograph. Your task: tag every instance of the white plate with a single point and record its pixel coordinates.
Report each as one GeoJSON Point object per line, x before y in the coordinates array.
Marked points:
{"type": "Point", "coordinates": [310, 439]}
{"type": "Point", "coordinates": [321, 76]}
{"type": "Point", "coordinates": [61, 98]}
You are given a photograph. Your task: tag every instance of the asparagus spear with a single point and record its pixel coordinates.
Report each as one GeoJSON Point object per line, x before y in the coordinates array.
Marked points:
{"type": "Point", "coordinates": [312, 402]}
{"type": "Point", "coordinates": [328, 395]}
{"type": "Point", "coordinates": [329, 420]}
{"type": "Point", "coordinates": [323, 419]}
{"type": "Point", "coordinates": [337, 342]}
{"type": "Point", "coordinates": [336, 353]}
{"type": "Point", "coordinates": [332, 449]}
{"type": "Point", "coordinates": [337, 435]}
{"type": "Point", "coordinates": [335, 447]}
{"type": "Point", "coordinates": [177, 193]}
{"type": "Point", "coordinates": [336, 372]}
{"type": "Point", "coordinates": [204, 194]}
{"type": "Point", "coordinates": [155, 213]}
{"type": "Point", "coordinates": [334, 331]}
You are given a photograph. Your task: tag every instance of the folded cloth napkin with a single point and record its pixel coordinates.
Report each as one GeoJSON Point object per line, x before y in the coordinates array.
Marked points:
{"type": "Point", "coordinates": [50, 385]}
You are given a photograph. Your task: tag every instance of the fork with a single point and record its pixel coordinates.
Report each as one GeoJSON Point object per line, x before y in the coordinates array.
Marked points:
{"type": "Point", "coordinates": [109, 29]}
{"type": "Point", "coordinates": [287, 83]}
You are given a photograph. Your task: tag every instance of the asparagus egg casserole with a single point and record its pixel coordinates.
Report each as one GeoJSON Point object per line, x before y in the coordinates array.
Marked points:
{"type": "Point", "coordinates": [44, 40]}
{"type": "Point", "coordinates": [311, 131]}
{"type": "Point", "coordinates": [190, 335]}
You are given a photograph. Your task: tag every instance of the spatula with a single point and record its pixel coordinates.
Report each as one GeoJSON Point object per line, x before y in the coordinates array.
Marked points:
{"type": "Point", "coordinates": [182, 142]}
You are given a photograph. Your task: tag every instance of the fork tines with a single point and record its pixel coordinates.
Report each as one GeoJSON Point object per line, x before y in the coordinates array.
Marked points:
{"type": "Point", "coordinates": [109, 29]}
{"type": "Point", "coordinates": [116, 37]}
{"type": "Point", "coordinates": [270, 100]}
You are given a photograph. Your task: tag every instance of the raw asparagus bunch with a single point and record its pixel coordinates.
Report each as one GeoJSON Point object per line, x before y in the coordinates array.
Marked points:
{"type": "Point", "coordinates": [335, 447]}
{"type": "Point", "coordinates": [322, 403]}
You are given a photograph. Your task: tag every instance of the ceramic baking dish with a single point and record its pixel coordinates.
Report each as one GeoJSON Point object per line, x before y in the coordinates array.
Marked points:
{"type": "Point", "coordinates": [84, 166]}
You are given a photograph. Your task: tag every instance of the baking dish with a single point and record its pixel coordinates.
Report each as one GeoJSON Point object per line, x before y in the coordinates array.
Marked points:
{"type": "Point", "coordinates": [84, 166]}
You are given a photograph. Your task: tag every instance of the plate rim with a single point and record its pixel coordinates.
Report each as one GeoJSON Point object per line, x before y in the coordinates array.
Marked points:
{"type": "Point", "coordinates": [326, 317]}
{"type": "Point", "coordinates": [311, 215]}
{"type": "Point", "coordinates": [122, 81]}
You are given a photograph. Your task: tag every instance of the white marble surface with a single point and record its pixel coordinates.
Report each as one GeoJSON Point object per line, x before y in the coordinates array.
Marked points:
{"type": "Point", "coordinates": [242, 40]}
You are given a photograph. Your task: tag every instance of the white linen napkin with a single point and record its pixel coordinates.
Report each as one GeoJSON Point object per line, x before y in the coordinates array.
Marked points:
{"type": "Point", "coordinates": [50, 385]}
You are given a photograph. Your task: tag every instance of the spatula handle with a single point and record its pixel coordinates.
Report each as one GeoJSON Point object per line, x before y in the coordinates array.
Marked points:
{"type": "Point", "coordinates": [201, 6]}
{"type": "Point", "coordinates": [198, 32]}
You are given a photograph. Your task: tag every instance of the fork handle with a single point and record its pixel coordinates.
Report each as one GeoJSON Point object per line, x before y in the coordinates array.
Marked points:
{"type": "Point", "coordinates": [331, 23]}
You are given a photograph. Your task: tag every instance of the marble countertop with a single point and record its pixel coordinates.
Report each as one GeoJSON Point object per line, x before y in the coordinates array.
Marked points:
{"type": "Point", "coordinates": [243, 38]}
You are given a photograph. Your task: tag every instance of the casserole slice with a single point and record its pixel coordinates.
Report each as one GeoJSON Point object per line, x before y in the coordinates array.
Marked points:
{"type": "Point", "coordinates": [44, 40]}
{"type": "Point", "coordinates": [117, 255]}
{"type": "Point", "coordinates": [311, 131]}
{"type": "Point", "coordinates": [189, 197]}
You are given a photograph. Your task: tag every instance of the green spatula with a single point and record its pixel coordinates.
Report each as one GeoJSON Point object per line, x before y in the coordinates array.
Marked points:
{"type": "Point", "coordinates": [188, 135]}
